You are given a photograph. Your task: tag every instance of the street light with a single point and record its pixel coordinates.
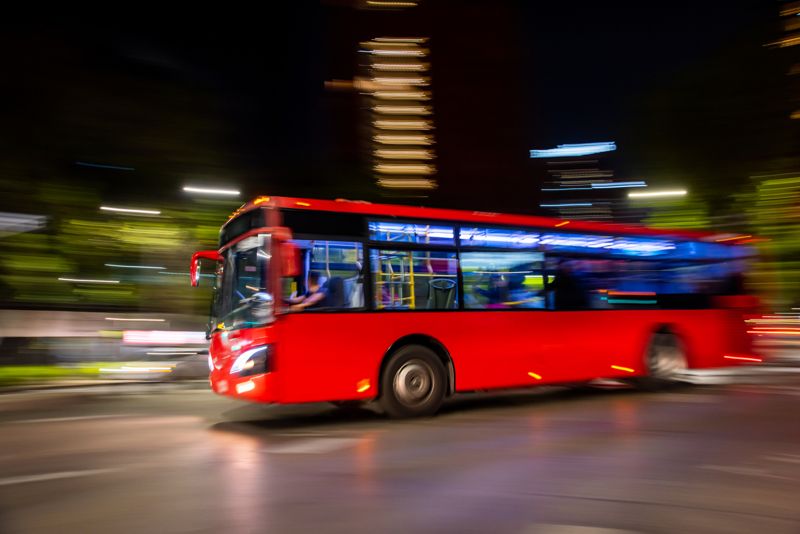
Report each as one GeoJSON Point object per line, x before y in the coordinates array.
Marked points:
{"type": "Point", "coordinates": [120, 266]}
{"type": "Point", "coordinates": [211, 191]}
{"type": "Point", "coordinates": [131, 210]}
{"type": "Point", "coordinates": [654, 194]}
{"type": "Point", "coordinates": [88, 281]}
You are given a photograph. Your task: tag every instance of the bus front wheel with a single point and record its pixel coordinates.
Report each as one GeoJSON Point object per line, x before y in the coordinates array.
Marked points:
{"type": "Point", "coordinates": [413, 383]}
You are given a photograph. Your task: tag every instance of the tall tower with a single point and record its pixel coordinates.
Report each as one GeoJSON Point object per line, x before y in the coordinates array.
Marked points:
{"type": "Point", "coordinates": [396, 90]}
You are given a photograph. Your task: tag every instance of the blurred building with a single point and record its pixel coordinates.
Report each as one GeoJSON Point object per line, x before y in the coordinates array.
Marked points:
{"type": "Point", "coordinates": [790, 42]}
{"type": "Point", "coordinates": [394, 86]}
{"type": "Point", "coordinates": [578, 182]}
{"type": "Point", "coordinates": [463, 106]}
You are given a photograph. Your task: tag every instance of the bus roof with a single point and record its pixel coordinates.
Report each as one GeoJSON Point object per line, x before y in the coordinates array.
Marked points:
{"type": "Point", "coordinates": [480, 217]}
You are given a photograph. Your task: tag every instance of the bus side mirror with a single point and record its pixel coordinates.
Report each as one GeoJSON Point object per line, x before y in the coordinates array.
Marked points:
{"type": "Point", "coordinates": [290, 259]}
{"type": "Point", "coordinates": [194, 268]}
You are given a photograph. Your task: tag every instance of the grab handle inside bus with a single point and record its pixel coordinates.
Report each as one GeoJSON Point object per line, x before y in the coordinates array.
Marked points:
{"type": "Point", "coordinates": [194, 268]}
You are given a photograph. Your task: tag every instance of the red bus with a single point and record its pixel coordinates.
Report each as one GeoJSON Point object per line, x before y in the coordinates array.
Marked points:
{"type": "Point", "coordinates": [321, 300]}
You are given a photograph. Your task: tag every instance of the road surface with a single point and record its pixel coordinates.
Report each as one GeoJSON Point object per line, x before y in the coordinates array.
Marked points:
{"type": "Point", "coordinates": [173, 459]}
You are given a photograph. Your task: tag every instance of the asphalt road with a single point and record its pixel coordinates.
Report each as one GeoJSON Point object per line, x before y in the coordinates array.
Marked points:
{"type": "Point", "coordinates": [166, 459]}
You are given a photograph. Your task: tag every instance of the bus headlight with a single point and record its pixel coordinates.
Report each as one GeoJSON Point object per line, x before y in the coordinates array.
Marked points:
{"type": "Point", "coordinates": [252, 362]}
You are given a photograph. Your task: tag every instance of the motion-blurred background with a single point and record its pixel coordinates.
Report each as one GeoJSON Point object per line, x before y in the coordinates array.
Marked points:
{"type": "Point", "coordinates": [126, 140]}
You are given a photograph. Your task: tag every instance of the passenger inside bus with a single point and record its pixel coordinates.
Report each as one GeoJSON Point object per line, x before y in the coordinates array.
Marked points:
{"type": "Point", "coordinates": [568, 290]}
{"type": "Point", "coordinates": [334, 269]}
{"type": "Point", "coordinates": [315, 296]}
{"type": "Point", "coordinates": [497, 293]}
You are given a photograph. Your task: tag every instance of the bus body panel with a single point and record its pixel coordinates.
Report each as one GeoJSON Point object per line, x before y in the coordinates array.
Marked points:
{"type": "Point", "coordinates": [337, 356]}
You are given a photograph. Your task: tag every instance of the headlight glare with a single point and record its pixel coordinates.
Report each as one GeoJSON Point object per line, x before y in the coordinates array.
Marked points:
{"type": "Point", "coordinates": [251, 362]}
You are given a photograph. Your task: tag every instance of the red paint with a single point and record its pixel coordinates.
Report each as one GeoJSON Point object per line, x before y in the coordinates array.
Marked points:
{"type": "Point", "coordinates": [332, 356]}
{"type": "Point", "coordinates": [326, 356]}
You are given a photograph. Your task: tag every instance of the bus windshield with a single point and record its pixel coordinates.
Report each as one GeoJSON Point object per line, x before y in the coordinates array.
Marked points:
{"type": "Point", "coordinates": [243, 295]}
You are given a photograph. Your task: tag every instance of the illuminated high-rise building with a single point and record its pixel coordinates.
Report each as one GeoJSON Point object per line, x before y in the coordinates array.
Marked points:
{"type": "Point", "coordinates": [396, 89]}
{"type": "Point", "coordinates": [432, 94]}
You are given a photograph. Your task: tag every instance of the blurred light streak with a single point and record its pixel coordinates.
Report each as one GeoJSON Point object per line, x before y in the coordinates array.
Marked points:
{"type": "Point", "coordinates": [244, 387]}
{"type": "Point", "coordinates": [620, 368]}
{"type": "Point", "coordinates": [653, 194]}
{"type": "Point", "coordinates": [402, 95]}
{"type": "Point", "coordinates": [131, 210]}
{"type": "Point", "coordinates": [733, 238]}
{"type": "Point", "coordinates": [789, 41]}
{"type": "Point", "coordinates": [534, 375]}
{"type": "Point", "coordinates": [303, 204]}
{"type": "Point", "coordinates": [402, 125]}
{"type": "Point", "coordinates": [559, 225]}
{"type": "Point", "coordinates": [403, 110]}
{"type": "Point", "coordinates": [407, 183]}
{"type": "Point", "coordinates": [566, 189]}
{"type": "Point", "coordinates": [100, 166]}
{"type": "Point", "coordinates": [404, 139]}
{"type": "Point", "coordinates": [211, 191]}
{"type": "Point", "coordinates": [260, 200]}
{"type": "Point", "coordinates": [88, 281]}
{"type": "Point", "coordinates": [402, 67]}
{"type": "Point", "coordinates": [778, 332]}
{"type": "Point", "coordinates": [401, 81]}
{"type": "Point", "coordinates": [618, 185]}
{"type": "Point", "coordinates": [172, 353]}
{"type": "Point", "coordinates": [134, 319]}
{"type": "Point", "coordinates": [21, 222]}
{"type": "Point", "coordinates": [565, 205]}
{"type": "Point", "coordinates": [632, 293]}
{"type": "Point", "coordinates": [397, 53]}
{"type": "Point", "coordinates": [743, 358]}
{"type": "Point", "coordinates": [413, 40]}
{"type": "Point", "coordinates": [395, 168]}
{"type": "Point", "coordinates": [129, 369]}
{"type": "Point", "coordinates": [403, 154]}
{"type": "Point", "coordinates": [133, 266]}
{"type": "Point", "coordinates": [576, 149]}
{"type": "Point", "coordinates": [790, 9]}
{"type": "Point", "coordinates": [362, 385]}
{"type": "Point", "coordinates": [162, 337]}
{"type": "Point", "coordinates": [390, 3]}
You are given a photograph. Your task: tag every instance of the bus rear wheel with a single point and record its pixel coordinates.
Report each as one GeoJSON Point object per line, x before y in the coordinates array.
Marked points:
{"type": "Point", "coordinates": [665, 360]}
{"type": "Point", "coordinates": [413, 383]}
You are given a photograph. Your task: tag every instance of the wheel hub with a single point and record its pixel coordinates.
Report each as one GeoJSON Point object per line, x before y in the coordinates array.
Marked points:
{"type": "Point", "coordinates": [413, 382]}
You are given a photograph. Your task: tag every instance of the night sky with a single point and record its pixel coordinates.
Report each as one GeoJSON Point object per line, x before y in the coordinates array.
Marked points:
{"type": "Point", "coordinates": [238, 98]}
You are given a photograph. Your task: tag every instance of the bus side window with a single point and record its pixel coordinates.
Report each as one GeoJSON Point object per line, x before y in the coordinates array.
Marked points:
{"type": "Point", "coordinates": [338, 265]}
{"type": "Point", "coordinates": [498, 280]}
{"type": "Point", "coordinates": [414, 280]}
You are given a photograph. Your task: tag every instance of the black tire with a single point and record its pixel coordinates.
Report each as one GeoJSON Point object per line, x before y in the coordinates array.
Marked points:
{"type": "Point", "coordinates": [665, 360]}
{"type": "Point", "coordinates": [413, 383]}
